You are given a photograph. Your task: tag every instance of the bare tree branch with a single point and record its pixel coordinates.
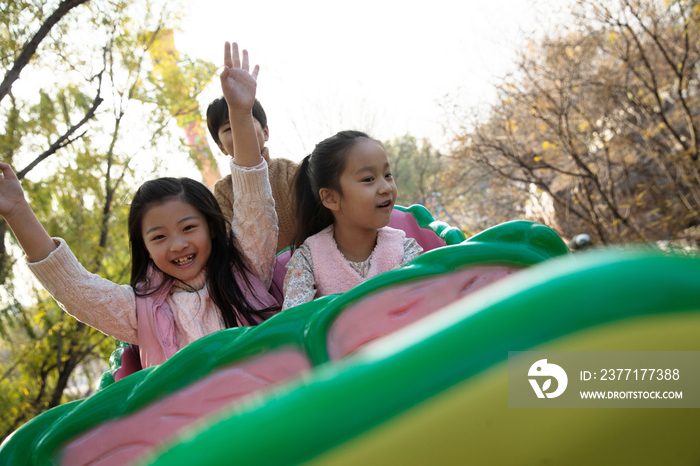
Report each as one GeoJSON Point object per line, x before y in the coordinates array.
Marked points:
{"type": "Point", "coordinates": [64, 140]}
{"type": "Point", "coordinates": [30, 48]}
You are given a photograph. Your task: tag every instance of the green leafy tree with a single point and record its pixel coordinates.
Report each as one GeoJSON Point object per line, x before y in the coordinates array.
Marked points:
{"type": "Point", "coordinates": [20, 39]}
{"type": "Point", "coordinates": [415, 168]}
{"type": "Point", "coordinates": [24, 26]}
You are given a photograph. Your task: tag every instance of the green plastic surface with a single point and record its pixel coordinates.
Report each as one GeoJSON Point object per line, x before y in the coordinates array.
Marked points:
{"type": "Point", "coordinates": [518, 244]}
{"type": "Point", "coordinates": [341, 401]}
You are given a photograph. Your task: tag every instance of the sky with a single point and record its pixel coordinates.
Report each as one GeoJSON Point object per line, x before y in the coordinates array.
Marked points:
{"type": "Point", "coordinates": [385, 67]}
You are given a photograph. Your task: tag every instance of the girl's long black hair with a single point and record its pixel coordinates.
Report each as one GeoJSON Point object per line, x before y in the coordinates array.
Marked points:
{"type": "Point", "coordinates": [321, 169]}
{"type": "Point", "coordinates": [224, 288]}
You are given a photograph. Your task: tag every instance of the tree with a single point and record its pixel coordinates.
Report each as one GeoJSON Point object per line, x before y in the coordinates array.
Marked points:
{"type": "Point", "coordinates": [454, 191]}
{"type": "Point", "coordinates": [601, 120]}
{"type": "Point", "coordinates": [20, 44]}
{"type": "Point", "coordinates": [415, 168]}
{"type": "Point", "coordinates": [475, 198]}
{"type": "Point", "coordinates": [177, 80]}
{"type": "Point", "coordinates": [83, 190]}
{"type": "Point", "coordinates": [15, 32]}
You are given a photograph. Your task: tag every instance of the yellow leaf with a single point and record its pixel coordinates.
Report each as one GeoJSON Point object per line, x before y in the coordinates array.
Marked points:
{"type": "Point", "coordinates": [617, 220]}
{"type": "Point", "coordinates": [537, 158]}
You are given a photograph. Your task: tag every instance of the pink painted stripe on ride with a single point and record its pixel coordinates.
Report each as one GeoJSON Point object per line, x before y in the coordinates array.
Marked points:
{"type": "Point", "coordinates": [385, 312]}
{"type": "Point", "coordinates": [123, 441]}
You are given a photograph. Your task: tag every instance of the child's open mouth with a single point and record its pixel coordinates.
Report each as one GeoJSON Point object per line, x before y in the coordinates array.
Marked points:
{"type": "Point", "coordinates": [384, 204]}
{"type": "Point", "coordinates": [184, 260]}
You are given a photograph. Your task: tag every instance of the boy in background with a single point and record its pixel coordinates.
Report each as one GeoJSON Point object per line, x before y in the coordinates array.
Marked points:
{"type": "Point", "coordinates": [281, 171]}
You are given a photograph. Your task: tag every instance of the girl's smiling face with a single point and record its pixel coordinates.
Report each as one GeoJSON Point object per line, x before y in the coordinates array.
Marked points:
{"type": "Point", "coordinates": [368, 188]}
{"type": "Point", "coordinates": [177, 238]}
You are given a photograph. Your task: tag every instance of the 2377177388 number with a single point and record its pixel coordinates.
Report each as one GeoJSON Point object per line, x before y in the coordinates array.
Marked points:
{"type": "Point", "coordinates": [639, 374]}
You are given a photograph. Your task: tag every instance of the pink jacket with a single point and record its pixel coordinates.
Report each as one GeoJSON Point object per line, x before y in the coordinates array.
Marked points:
{"type": "Point", "coordinates": [332, 272]}
{"type": "Point", "coordinates": [162, 321]}
{"type": "Point", "coordinates": [156, 325]}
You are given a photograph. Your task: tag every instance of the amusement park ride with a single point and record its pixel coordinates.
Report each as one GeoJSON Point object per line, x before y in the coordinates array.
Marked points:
{"type": "Point", "coordinates": [410, 367]}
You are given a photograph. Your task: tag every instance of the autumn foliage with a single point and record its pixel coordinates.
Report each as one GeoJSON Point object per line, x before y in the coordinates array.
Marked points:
{"type": "Point", "coordinates": [599, 124]}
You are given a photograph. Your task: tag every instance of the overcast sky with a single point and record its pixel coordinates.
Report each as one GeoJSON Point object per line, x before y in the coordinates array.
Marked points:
{"type": "Point", "coordinates": [380, 66]}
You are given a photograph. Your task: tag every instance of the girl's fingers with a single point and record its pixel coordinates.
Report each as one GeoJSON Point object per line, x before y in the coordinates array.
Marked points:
{"type": "Point", "coordinates": [227, 55]}
{"type": "Point", "coordinates": [232, 59]}
{"type": "Point", "coordinates": [234, 55]}
{"type": "Point", "coordinates": [7, 172]}
{"type": "Point", "coordinates": [245, 60]}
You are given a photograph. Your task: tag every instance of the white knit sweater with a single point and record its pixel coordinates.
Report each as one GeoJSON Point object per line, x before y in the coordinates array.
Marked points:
{"type": "Point", "coordinates": [111, 308]}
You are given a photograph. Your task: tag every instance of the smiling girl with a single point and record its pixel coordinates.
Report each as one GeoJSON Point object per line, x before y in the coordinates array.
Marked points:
{"type": "Point", "coordinates": [344, 195]}
{"type": "Point", "coordinates": [190, 275]}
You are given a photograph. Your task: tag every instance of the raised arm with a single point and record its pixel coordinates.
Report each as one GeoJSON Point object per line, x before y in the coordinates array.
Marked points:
{"type": "Point", "coordinates": [254, 223]}
{"type": "Point", "coordinates": [104, 305]}
{"type": "Point", "coordinates": [36, 243]}
{"type": "Point", "coordinates": [239, 86]}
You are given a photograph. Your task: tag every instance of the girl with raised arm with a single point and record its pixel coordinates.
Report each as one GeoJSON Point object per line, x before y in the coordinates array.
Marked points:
{"type": "Point", "coordinates": [190, 275]}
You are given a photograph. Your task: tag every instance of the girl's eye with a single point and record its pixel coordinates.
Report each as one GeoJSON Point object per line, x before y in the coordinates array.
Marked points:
{"type": "Point", "coordinates": [189, 227]}
{"type": "Point", "coordinates": [368, 179]}
{"type": "Point", "coordinates": [157, 237]}
{"type": "Point", "coordinates": [388, 176]}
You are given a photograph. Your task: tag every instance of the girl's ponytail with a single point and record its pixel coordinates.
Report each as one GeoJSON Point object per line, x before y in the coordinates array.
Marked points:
{"type": "Point", "coordinates": [311, 215]}
{"type": "Point", "coordinates": [321, 169]}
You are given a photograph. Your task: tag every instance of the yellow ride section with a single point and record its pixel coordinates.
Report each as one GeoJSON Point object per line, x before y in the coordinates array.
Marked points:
{"type": "Point", "coordinates": [471, 423]}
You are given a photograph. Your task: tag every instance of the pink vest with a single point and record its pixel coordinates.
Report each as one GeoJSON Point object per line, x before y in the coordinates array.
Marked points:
{"type": "Point", "coordinates": [332, 272]}
{"type": "Point", "coordinates": [156, 324]}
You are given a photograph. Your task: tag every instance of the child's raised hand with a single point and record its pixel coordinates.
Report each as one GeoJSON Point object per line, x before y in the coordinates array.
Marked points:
{"type": "Point", "coordinates": [11, 193]}
{"type": "Point", "coordinates": [37, 244]}
{"type": "Point", "coordinates": [237, 83]}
